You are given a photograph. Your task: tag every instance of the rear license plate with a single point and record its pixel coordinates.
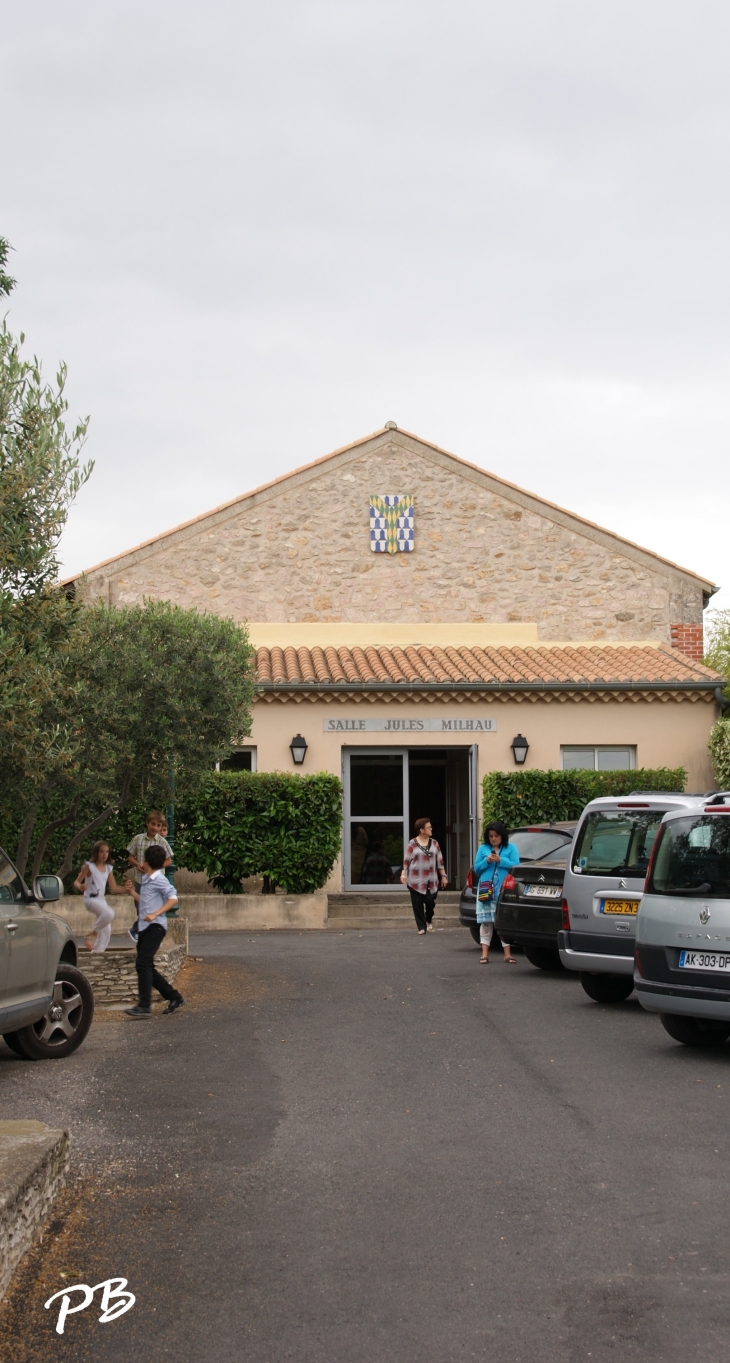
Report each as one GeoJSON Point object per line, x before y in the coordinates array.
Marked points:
{"type": "Point", "coordinates": [704, 960]}
{"type": "Point", "coordinates": [619, 906]}
{"type": "Point", "coordinates": [544, 891]}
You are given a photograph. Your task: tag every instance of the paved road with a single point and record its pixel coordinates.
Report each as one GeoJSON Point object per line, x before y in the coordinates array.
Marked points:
{"type": "Point", "coordinates": [357, 1148]}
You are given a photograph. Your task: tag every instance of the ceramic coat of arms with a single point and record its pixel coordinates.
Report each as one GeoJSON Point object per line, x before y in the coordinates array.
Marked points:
{"type": "Point", "coordinates": [391, 524]}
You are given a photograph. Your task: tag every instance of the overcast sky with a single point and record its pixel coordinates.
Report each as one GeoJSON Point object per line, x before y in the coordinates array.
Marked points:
{"type": "Point", "coordinates": [257, 231]}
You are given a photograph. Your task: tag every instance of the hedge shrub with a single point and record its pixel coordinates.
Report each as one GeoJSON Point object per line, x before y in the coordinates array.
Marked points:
{"type": "Point", "coordinates": [519, 797]}
{"type": "Point", "coordinates": [720, 752]}
{"type": "Point", "coordinates": [282, 826]}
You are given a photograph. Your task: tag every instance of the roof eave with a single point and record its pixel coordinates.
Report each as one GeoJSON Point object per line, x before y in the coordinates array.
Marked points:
{"type": "Point", "coordinates": [400, 688]}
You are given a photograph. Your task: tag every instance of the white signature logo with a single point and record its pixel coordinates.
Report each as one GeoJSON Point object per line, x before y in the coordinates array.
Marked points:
{"type": "Point", "coordinates": [114, 1301]}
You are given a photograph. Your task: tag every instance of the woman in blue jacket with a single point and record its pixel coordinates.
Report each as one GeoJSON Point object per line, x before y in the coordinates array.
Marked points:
{"type": "Point", "coordinates": [495, 859]}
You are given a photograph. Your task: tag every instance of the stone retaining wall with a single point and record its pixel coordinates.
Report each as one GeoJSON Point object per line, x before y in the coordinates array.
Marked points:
{"type": "Point", "coordinates": [112, 974]}
{"type": "Point", "coordinates": [33, 1169]}
{"type": "Point", "coordinates": [253, 912]}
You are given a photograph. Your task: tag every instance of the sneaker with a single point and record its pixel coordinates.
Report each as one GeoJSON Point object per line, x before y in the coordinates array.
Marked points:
{"type": "Point", "coordinates": [173, 1005]}
{"type": "Point", "coordinates": [138, 1012]}
{"type": "Point", "coordinates": [134, 934]}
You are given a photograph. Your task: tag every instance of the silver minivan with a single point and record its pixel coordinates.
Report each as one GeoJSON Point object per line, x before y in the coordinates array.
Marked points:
{"type": "Point", "coordinates": [604, 882]}
{"type": "Point", "coordinates": [682, 967]}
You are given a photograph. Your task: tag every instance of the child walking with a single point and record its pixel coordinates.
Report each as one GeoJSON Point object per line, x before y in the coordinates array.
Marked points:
{"type": "Point", "coordinates": [95, 880]}
{"type": "Point", "coordinates": [155, 895]}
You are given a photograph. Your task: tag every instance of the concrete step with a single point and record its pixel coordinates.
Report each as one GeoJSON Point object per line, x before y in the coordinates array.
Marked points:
{"type": "Point", "coordinates": [387, 909]}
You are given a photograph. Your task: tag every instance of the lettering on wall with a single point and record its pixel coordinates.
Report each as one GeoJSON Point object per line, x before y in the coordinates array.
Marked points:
{"type": "Point", "coordinates": [445, 725]}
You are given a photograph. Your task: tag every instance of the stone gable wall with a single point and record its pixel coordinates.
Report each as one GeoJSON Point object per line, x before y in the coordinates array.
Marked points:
{"type": "Point", "coordinates": [302, 553]}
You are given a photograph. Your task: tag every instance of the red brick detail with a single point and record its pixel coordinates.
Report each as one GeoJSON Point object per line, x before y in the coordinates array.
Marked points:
{"type": "Point", "coordinates": [689, 640]}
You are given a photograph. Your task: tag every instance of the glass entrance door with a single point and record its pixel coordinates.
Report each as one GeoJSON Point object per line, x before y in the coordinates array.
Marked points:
{"type": "Point", "coordinates": [376, 810]}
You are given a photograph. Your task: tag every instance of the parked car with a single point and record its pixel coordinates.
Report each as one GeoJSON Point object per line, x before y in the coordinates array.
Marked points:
{"type": "Point", "coordinates": [535, 843]}
{"type": "Point", "coordinates": [46, 1003]}
{"type": "Point", "coordinates": [682, 965]}
{"type": "Point", "coordinates": [529, 911]}
{"type": "Point", "coordinates": [604, 882]}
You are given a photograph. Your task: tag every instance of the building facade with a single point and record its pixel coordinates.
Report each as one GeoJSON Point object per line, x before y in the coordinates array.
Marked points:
{"type": "Point", "coordinates": [413, 614]}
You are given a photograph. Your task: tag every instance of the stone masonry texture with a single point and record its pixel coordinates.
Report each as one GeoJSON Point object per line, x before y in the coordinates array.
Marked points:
{"type": "Point", "coordinates": [300, 551]}
{"type": "Point", "coordinates": [33, 1168]}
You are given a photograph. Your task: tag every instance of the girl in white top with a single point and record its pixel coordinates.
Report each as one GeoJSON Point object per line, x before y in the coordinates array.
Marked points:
{"type": "Point", "coordinates": [94, 879]}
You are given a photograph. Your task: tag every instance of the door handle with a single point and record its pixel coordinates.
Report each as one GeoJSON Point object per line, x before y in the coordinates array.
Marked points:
{"type": "Point", "coordinates": [12, 927]}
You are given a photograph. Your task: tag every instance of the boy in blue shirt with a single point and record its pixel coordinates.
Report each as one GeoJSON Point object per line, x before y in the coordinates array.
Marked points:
{"type": "Point", "coordinates": [155, 895]}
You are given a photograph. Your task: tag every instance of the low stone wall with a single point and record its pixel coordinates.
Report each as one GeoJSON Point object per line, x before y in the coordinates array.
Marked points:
{"type": "Point", "coordinates": [112, 973]}
{"type": "Point", "coordinates": [33, 1169]}
{"type": "Point", "coordinates": [253, 912]}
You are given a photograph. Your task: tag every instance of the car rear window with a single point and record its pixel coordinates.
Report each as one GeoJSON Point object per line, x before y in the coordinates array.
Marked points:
{"type": "Point", "coordinates": [693, 858]}
{"type": "Point", "coordinates": [11, 888]}
{"type": "Point", "coordinates": [533, 845]}
{"type": "Point", "coordinates": [616, 842]}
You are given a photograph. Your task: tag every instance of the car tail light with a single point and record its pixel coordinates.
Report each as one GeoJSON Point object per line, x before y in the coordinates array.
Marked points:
{"type": "Point", "coordinates": [470, 879]}
{"type": "Point", "coordinates": [566, 916]}
{"type": "Point", "coordinates": [717, 809]}
{"type": "Point", "coordinates": [509, 882]}
{"type": "Point", "coordinates": [637, 959]}
{"type": "Point", "coordinates": [632, 804]}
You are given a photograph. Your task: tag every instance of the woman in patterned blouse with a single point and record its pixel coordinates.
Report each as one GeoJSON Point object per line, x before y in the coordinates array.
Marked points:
{"type": "Point", "coordinates": [423, 869]}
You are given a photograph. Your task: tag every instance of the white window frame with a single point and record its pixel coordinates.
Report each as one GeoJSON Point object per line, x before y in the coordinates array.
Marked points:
{"type": "Point", "coordinates": [599, 747]}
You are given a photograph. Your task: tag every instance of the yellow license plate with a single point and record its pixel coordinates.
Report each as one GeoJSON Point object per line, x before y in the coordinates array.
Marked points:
{"type": "Point", "coordinates": [619, 906]}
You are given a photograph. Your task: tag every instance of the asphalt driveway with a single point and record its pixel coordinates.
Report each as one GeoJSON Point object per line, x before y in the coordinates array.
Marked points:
{"type": "Point", "coordinates": [361, 1147]}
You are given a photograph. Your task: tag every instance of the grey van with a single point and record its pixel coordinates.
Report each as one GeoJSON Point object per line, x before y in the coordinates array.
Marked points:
{"type": "Point", "coordinates": [682, 967]}
{"type": "Point", "coordinates": [604, 882]}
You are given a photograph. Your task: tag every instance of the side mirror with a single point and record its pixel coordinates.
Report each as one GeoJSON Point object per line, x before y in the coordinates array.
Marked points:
{"type": "Point", "coordinates": [47, 888]}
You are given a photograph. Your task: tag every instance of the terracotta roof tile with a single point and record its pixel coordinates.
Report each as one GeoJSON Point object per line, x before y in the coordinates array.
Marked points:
{"type": "Point", "coordinates": [568, 663]}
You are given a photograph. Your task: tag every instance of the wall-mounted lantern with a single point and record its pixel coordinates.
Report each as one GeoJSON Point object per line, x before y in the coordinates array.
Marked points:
{"type": "Point", "coordinates": [298, 749]}
{"type": "Point", "coordinates": [519, 746]}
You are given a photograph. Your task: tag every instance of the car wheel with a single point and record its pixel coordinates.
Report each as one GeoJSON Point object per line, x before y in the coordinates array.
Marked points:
{"type": "Point", "coordinates": [11, 1040]}
{"type": "Point", "coordinates": [695, 1031]}
{"type": "Point", "coordinates": [65, 1023]}
{"type": "Point", "coordinates": [544, 958]}
{"type": "Point", "coordinates": [474, 930]}
{"type": "Point", "coordinates": [607, 988]}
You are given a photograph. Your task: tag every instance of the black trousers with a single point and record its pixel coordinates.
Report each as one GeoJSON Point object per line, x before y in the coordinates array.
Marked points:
{"type": "Point", "coordinates": [148, 944]}
{"type": "Point", "coordinates": [423, 907]}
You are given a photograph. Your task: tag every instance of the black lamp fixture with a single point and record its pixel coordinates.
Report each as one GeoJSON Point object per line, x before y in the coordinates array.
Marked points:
{"type": "Point", "coordinates": [298, 749]}
{"type": "Point", "coordinates": [519, 746]}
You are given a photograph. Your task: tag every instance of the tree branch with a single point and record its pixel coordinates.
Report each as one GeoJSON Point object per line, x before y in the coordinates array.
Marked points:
{"type": "Point", "coordinates": [26, 833]}
{"type": "Point", "coordinates": [47, 833]}
{"type": "Point", "coordinates": [78, 838]}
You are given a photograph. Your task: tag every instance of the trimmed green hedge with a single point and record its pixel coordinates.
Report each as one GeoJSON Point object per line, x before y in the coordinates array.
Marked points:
{"type": "Point", "coordinates": [282, 826]}
{"type": "Point", "coordinates": [519, 797]}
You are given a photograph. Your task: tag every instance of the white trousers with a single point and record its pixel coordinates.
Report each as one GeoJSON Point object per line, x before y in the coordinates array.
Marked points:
{"type": "Point", "coordinates": [104, 918]}
{"type": "Point", "coordinates": [485, 933]}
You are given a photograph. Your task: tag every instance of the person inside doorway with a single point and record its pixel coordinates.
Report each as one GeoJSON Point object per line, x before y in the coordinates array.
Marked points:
{"type": "Point", "coordinates": [376, 870]}
{"type": "Point", "coordinates": [423, 872]}
{"type": "Point", "coordinates": [493, 862]}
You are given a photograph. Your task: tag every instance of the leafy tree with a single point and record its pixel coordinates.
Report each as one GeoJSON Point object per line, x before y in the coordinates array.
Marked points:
{"type": "Point", "coordinates": [40, 474]}
{"type": "Point", "coordinates": [717, 655]}
{"type": "Point", "coordinates": [720, 752]}
{"type": "Point", "coordinates": [97, 706]}
{"type": "Point", "coordinates": [152, 697]}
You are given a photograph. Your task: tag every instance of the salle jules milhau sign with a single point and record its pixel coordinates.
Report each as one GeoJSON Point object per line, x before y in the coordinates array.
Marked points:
{"type": "Point", "coordinates": [477, 725]}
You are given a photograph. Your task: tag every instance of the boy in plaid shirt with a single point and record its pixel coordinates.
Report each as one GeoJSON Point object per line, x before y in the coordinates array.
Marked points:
{"type": "Point", "coordinates": [138, 846]}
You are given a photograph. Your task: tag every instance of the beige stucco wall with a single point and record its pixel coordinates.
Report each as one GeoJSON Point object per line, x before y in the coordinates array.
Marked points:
{"type": "Point", "coordinates": [300, 551]}
{"type": "Point", "coordinates": [665, 734]}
